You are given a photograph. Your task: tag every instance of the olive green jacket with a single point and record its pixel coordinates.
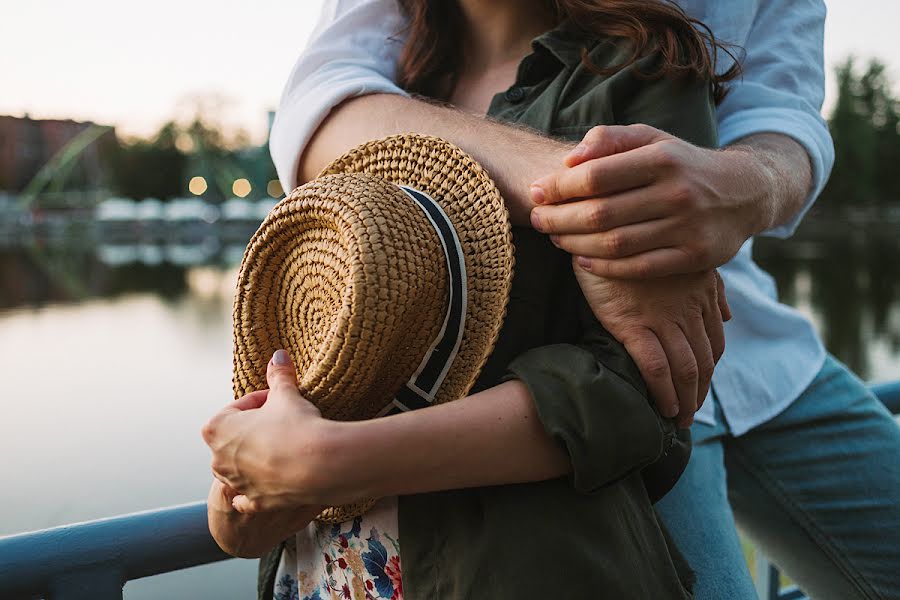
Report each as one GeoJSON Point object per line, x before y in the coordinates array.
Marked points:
{"type": "Point", "coordinates": [593, 534]}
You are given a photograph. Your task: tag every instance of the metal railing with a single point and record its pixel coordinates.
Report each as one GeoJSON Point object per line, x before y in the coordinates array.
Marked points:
{"type": "Point", "coordinates": [768, 577]}
{"type": "Point", "coordinates": [94, 560]}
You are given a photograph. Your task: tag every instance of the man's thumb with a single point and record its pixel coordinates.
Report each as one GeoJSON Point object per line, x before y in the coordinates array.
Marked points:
{"type": "Point", "coordinates": [280, 373]}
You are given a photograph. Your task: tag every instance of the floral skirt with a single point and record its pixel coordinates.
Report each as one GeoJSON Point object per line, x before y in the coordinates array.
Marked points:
{"type": "Point", "coordinates": [356, 560]}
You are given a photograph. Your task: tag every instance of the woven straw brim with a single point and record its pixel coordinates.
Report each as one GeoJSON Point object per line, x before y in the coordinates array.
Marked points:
{"type": "Point", "coordinates": [349, 276]}
{"type": "Point", "coordinates": [474, 205]}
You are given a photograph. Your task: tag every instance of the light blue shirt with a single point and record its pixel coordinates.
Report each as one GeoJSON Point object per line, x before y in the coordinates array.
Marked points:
{"type": "Point", "coordinates": [772, 352]}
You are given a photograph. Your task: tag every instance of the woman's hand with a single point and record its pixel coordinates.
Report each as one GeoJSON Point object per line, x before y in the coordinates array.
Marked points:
{"type": "Point", "coordinates": [672, 328]}
{"type": "Point", "coordinates": [268, 446]}
{"type": "Point", "coordinates": [652, 205]}
{"type": "Point", "coordinates": [251, 535]}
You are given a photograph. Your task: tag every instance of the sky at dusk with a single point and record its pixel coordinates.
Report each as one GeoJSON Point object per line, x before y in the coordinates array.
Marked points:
{"type": "Point", "coordinates": [137, 64]}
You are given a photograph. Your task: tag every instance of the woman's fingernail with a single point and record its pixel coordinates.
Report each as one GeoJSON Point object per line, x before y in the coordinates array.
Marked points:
{"type": "Point", "coordinates": [584, 262]}
{"type": "Point", "coordinates": [555, 240]}
{"type": "Point", "coordinates": [536, 221]}
{"type": "Point", "coordinates": [537, 194]}
{"type": "Point", "coordinates": [281, 358]}
{"type": "Point", "coordinates": [578, 151]}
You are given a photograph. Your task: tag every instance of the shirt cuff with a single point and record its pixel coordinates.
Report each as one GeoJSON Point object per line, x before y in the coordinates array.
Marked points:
{"type": "Point", "coordinates": [301, 113]}
{"type": "Point", "coordinates": [606, 426]}
{"type": "Point", "coordinates": [806, 129]}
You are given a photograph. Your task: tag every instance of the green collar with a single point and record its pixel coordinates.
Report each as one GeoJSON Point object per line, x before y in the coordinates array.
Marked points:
{"type": "Point", "coordinates": [565, 43]}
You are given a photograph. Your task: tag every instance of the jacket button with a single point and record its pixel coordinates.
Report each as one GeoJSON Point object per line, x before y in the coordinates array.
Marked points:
{"type": "Point", "coordinates": [515, 94]}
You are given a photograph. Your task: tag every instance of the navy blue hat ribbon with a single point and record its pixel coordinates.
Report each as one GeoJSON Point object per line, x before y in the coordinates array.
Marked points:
{"type": "Point", "coordinates": [422, 386]}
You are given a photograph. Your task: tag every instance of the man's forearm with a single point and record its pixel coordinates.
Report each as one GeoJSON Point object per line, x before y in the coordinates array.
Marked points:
{"type": "Point", "coordinates": [782, 176]}
{"type": "Point", "coordinates": [513, 156]}
{"type": "Point", "coordinates": [779, 172]}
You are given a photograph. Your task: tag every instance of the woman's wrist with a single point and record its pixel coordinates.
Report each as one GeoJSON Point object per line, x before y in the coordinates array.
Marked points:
{"type": "Point", "coordinates": [333, 465]}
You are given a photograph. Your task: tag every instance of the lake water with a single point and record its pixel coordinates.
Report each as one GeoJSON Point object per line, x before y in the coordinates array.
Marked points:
{"type": "Point", "coordinates": [113, 356]}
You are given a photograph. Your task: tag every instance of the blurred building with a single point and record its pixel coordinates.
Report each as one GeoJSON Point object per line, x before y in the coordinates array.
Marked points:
{"type": "Point", "coordinates": [27, 144]}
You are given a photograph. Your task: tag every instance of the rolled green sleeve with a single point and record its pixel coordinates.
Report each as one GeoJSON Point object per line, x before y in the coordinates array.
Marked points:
{"type": "Point", "coordinates": [591, 400]}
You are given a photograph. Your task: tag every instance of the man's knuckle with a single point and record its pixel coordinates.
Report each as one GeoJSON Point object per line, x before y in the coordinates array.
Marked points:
{"type": "Point", "coordinates": [690, 310]}
{"type": "Point", "coordinates": [682, 197]}
{"type": "Point", "coordinates": [688, 373]}
{"type": "Point", "coordinates": [642, 268]}
{"type": "Point", "coordinates": [706, 368]}
{"type": "Point", "coordinates": [548, 221]}
{"type": "Point", "coordinates": [597, 215]}
{"type": "Point", "coordinates": [602, 268]}
{"type": "Point", "coordinates": [665, 155]}
{"type": "Point", "coordinates": [596, 134]}
{"type": "Point", "coordinates": [616, 244]}
{"type": "Point", "coordinates": [595, 175]}
{"type": "Point", "coordinates": [701, 253]}
{"type": "Point", "coordinates": [698, 253]}
{"type": "Point", "coordinates": [554, 189]}
{"type": "Point", "coordinates": [656, 367]}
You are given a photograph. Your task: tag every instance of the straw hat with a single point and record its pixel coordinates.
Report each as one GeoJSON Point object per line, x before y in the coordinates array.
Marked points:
{"type": "Point", "coordinates": [388, 298]}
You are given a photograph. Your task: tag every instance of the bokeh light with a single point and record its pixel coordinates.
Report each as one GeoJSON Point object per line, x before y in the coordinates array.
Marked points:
{"type": "Point", "coordinates": [274, 189]}
{"type": "Point", "coordinates": [241, 188]}
{"type": "Point", "coordinates": [197, 186]}
{"type": "Point", "coordinates": [184, 142]}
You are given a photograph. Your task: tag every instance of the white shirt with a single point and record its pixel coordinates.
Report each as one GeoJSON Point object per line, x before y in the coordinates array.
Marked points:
{"type": "Point", "coordinates": [772, 352]}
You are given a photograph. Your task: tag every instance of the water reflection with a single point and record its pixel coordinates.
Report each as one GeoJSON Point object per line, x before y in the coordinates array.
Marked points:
{"type": "Point", "coordinates": [113, 355]}
{"type": "Point", "coordinates": [115, 349]}
{"type": "Point", "coordinates": [847, 285]}
{"type": "Point", "coordinates": [850, 288]}
{"type": "Point", "coordinates": [40, 272]}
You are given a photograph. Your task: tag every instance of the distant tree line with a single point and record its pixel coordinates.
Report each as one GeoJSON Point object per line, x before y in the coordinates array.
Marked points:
{"type": "Point", "coordinates": [864, 126]}
{"type": "Point", "coordinates": [162, 166]}
{"type": "Point", "coordinates": [864, 123]}
{"type": "Point", "coordinates": [153, 168]}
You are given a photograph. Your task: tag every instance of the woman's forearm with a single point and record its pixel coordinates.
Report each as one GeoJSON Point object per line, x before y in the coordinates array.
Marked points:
{"type": "Point", "coordinates": [491, 438]}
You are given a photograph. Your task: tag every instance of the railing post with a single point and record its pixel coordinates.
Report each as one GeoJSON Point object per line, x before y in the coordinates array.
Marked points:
{"type": "Point", "coordinates": [767, 578]}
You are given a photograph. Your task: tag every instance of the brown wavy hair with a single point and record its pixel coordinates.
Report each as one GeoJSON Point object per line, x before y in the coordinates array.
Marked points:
{"type": "Point", "coordinates": [431, 60]}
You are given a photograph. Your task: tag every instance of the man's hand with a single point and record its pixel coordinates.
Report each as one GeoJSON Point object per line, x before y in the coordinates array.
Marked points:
{"type": "Point", "coordinates": [251, 536]}
{"type": "Point", "coordinates": [266, 446]}
{"type": "Point", "coordinates": [651, 205]}
{"type": "Point", "coordinates": [671, 327]}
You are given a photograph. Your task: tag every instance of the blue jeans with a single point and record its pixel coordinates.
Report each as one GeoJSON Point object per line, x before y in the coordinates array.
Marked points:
{"type": "Point", "coordinates": [817, 488]}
